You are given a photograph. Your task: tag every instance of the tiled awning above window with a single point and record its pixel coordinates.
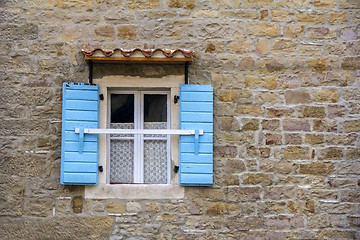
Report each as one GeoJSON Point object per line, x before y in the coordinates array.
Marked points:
{"type": "Point", "coordinates": [138, 55]}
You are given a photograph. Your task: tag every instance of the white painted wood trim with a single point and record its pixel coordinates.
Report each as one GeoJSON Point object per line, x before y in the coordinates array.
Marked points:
{"type": "Point", "coordinates": [139, 131]}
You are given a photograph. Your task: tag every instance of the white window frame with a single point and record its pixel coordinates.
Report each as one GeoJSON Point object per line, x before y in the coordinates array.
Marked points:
{"type": "Point", "coordinates": [139, 139]}
{"type": "Point", "coordinates": [104, 190]}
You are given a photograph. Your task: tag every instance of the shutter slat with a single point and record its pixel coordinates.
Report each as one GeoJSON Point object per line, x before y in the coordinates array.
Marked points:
{"type": "Point", "coordinates": [80, 110]}
{"type": "Point", "coordinates": [196, 112]}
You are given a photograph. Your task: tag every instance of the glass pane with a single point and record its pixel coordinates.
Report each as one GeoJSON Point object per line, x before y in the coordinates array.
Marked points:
{"type": "Point", "coordinates": [122, 108]}
{"type": "Point", "coordinates": [155, 162]}
{"type": "Point", "coordinates": [155, 108]}
{"type": "Point", "coordinates": [155, 113]}
{"type": "Point", "coordinates": [121, 161]}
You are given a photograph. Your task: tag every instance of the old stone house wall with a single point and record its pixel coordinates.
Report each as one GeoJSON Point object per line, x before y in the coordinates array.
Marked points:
{"type": "Point", "coordinates": [286, 77]}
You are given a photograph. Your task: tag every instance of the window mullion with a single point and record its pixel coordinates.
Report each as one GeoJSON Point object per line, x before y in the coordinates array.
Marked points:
{"type": "Point", "coordinates": [138, 168]}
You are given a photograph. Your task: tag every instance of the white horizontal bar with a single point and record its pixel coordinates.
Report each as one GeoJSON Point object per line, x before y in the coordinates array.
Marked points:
{"type": "Point", "coordinates": [138, 131]}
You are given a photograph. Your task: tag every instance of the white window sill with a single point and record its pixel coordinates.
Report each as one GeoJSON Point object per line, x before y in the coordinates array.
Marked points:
{"type": "Point", "coordinates": [134, 191]}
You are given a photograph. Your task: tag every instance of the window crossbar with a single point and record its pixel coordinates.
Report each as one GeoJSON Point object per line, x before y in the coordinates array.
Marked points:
{"type": "Point", "coordinates": [139, 131]}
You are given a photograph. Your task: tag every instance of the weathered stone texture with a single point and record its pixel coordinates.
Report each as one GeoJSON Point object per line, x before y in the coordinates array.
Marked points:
{"type": "Point", "coordinates": [286, 116]}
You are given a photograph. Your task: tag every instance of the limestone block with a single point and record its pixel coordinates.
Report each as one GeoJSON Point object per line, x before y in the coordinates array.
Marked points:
{"type": "Point", "coordinates": [75, 5]}
{"type": "Point", "coordinates": [295, 152]}
{"type": "Point", "coordinates": [297, 96]}
{"type": "Point", "coordinates": [317, 168]}
{"type": "Point", "coordinates": [243, 194]}
{"type": "Point", "coordinates": [260, 82]}
{"type": "Point", "coordinates": [284, 167]}
{"type": "Point", "coordinates": [325, 3]}
{"type": "Point", "coordinates": [349, 4]}
{"type": "Point", "coordinates": [314, 139]}
{"type": "Point", "coordinates": [263, 28]}
{"type": "Point", "coordinates": [311, 18]}
{"type": "Point", "coordinates": [127, 32]}
{"type": "Point", "coordinates": [326, 95]}
{"type": "Point", "coordinates": [337, 18]}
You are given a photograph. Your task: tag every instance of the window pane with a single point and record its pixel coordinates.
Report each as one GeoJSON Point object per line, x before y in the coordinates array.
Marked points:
{"type": "Point", "coordinates": [155, 108]}
{"type": "Point", "coordinates": [122, 108]}
{"type": "Point", "coordinates": [155, 162]}
{"type": "Point", "coordinates": [121, 161]}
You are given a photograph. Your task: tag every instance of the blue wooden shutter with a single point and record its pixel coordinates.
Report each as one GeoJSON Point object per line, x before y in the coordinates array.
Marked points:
{"type": "Point", "coordinates": [79, 155]}
{"type": "Point", "coordinates": [196, 154]}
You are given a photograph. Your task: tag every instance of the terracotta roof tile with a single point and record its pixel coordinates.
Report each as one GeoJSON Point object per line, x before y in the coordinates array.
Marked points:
{"type": "Point", "coordinates": [145, 52]}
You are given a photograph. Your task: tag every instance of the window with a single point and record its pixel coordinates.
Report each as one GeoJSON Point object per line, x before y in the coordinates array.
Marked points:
{"type": "Point", "coordinates": [133, 102]}
{"type": "Point", "coordinates": [139, 158]}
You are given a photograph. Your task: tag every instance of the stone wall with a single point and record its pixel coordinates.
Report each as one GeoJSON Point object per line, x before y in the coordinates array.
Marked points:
{"type": "Point", "coordinates": [286, 77]}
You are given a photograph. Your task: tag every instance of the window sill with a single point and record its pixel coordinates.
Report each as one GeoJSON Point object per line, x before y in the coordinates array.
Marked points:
{"type": "Point", "coordinates": [135, 191]}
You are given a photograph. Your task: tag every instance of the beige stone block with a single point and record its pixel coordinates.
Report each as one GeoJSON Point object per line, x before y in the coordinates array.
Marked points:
{"type": "Point", "coordinates": [295, 152]}
{"type": "Point", "coordinates": [75, 5]}
{"type": "Point", "coordinates": [203, 222]}
{"type": "Point", "coordinates": [143, 4]}
{"type": "Point", "coordinates": [251, 110]}
{"type": "Point", "coordinates": [69, 33]}
{"type": "Point", "coordinates": [317, 64]}
{"type": "Point", "coordinates": [310, 50]}
{"type": "Point", "coordinates": [263, 46]}
{"type": "Point", "coordinates": [221, 80]}
{"type": "Point", "coordinates": [341, 139]}
{"type": "Point", "coordinates": [312, 112]}
{"type": "Point", "coordinates": [205, 14]}
{"type": "Point", "coordinates": [267, 98]}
{"type": "Point", "coordinates": [284, 47]}
{"type": "Point", "coordinates": [249, 124]}
{"type": "Point", "coordinates": [349, 4]}
{"type": "Point", "coordinates": [264, 14]}
{"type": "Point", "coordinates": [297, 96]}
{"type": "Point", "coordinates": [243, 194]}
{"type": "Point", "coordinates": [104, 32]}
{"type": "Point", "coordinates": [127, 32]}
{"type": "Point", "coordinates": [317, 168]}
{"type": "Point", "coordinates": [335, 18]}
{"type": "Point", "coordinates": [205, 194]}
{"type": "Point", "coordinates": [105, 5]}
{"type": "Point", "coordinates": [325, 3]}
{"type": "Point", "coordinates": [263, 29]}
{"type": "Point", "coordinates": [247, 64]}
{"type": "Point", "coordinates": [260, 82]}
{"type": "Point", "coordinates": [294, 30]}
{"type": "Point", "coordinates": [280, 112]}
{"type": "Point", "coordinates": [350, 63]}
{"type": "Point", "coordinates": [326, 95]}
{"type": "Point", "coordinates": [352, 126]}
{"type": "Point", "coordinates": [283, 167]}
{"type": "Point", "coordinates": [258, 3]}
{"type": "Point", "coordinates": [222, 4]}
{"type": "Point", "coordinates": [220, 208]}
{"type": "Point", "coordinates": [322, 33]}
{"type": "Point", "coordinates": [238, 14]}
{"type": "Point", "coordinates": [187, 4]}
{"type": "Point", "coordinates": [239, 96]}
{"type": "Point", "coordinates": [282, 15]}
{"type": "Point", "coordinates": [271, 65]}
{"type": "Point", "coordinates": [225, 151]}
{"type": "Point", "coordinates": [296, 125]}
{"type": "Point", "coordinates": [40, 207]}
{"type": "Point", "coordinates": [281, 222]}
{"type": "Point", "coordinates": [240, 47]}
{"type": "Point", "coordinates": [116, 207]}
{"type": "Point", "coordinates": [257, 179]}
{"type": "Point", "coordinates": [311, 18]}
{"type": "Point", "coordinates": [314, 139]}
{"type": "Point", "coordinates": [214, 47]}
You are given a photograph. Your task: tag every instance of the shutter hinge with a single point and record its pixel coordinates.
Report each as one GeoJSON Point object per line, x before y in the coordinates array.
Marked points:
{"type": "Point", "coordinates": [101, 96]}
{"type": "Point", "coordinates": [176, 169]}
{"type": "Point", "coordinates": [101, 169]}
{"type": "Point", "coordinates": [176, 98]}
